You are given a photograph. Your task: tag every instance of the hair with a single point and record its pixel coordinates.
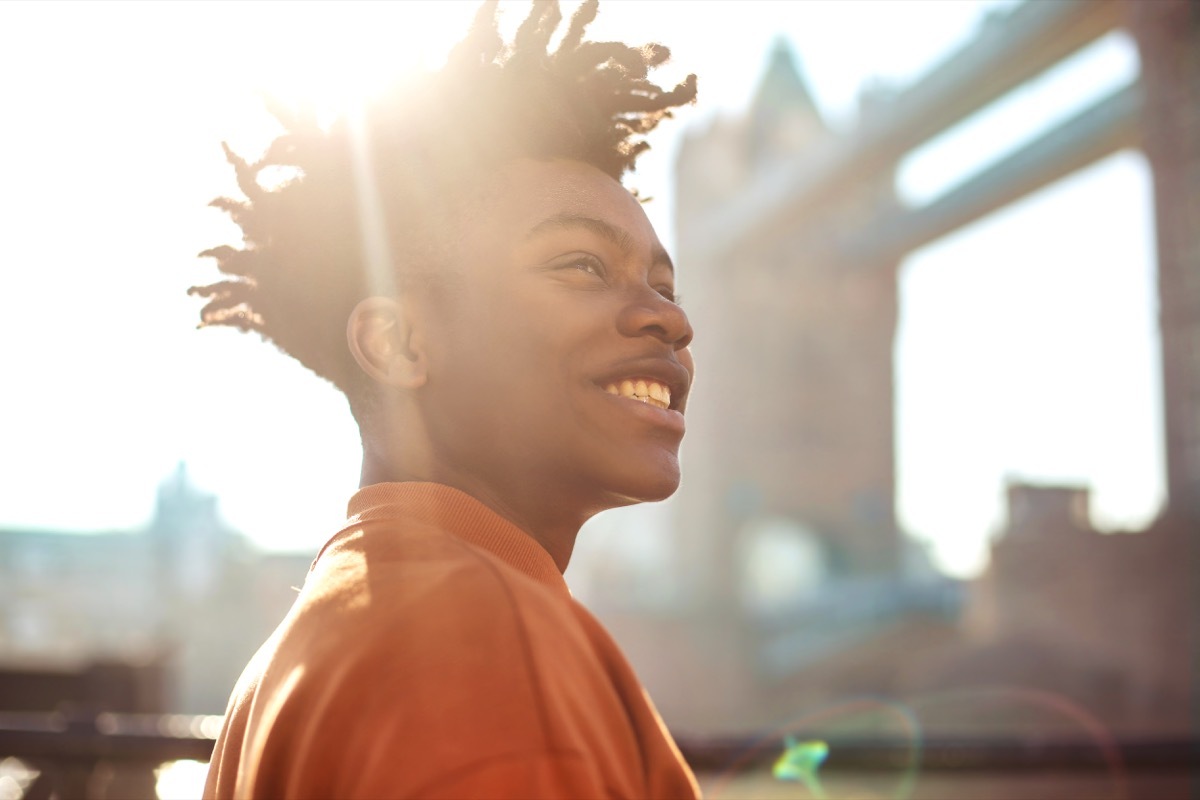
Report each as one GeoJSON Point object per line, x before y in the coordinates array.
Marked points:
{"type": "Point", "coordinates": [395, 176]}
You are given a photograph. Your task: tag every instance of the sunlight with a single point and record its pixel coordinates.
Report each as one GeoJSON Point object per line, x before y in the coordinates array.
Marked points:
{"type": "Point", "coordinates": [1004, 372]}
{"type": "Point", "coordinates": [148, 142]}
{"type": "Point", "coordinates": [371, 221]}
{"type": "Point", "coordinates": [180, 780]}
{"type": "Point", "coordinates": [333, 57]}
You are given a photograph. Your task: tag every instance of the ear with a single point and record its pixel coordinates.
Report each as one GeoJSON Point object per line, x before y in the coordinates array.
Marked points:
{"type": "Point", "coordinates": [384, 342]}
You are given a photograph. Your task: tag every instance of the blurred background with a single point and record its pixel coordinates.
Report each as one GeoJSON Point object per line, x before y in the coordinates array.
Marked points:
{"type": "Point", "coordinates": [942, 474]}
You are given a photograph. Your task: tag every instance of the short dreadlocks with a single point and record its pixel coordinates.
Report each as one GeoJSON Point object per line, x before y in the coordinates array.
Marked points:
{"type": "Point", "coordinates": [306, 262]}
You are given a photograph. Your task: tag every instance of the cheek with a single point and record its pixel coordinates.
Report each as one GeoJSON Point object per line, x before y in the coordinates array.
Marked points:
{"type": "Point", "coordinates": [506, 361]}
{"type": "Point", "coordinates": [463, 348]}
{"type": "Point", "coordinates": [514, 357]}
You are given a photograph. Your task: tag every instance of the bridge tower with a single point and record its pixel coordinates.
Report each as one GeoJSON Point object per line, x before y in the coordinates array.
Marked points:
{"type": "Point", "coordinates": [808, 443]}
{"type": "Point", "coordinates": [1168, 37]}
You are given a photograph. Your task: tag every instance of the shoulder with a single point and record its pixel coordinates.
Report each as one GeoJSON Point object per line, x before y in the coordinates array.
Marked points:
{"type": "Point", "coordinates": [422, 611]}
{"type": "Point", "coordinates": [415, 573]}
{"type": "Point", "coordinates": [411, 669]}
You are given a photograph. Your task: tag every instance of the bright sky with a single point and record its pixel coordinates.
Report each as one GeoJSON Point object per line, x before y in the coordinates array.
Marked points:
{"type": "Point", "coordinates": [1027, 344]}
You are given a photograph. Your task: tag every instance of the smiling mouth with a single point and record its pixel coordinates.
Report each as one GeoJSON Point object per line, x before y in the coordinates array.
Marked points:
{"type": "Point", "coordinates": [647, 391]}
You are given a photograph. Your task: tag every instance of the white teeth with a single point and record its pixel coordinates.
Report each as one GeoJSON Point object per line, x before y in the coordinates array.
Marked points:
{"type": "Point", "coordinates": [651, 392]}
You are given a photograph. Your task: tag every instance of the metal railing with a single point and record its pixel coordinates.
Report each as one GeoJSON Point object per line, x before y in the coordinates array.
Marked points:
{"type": "Point", "coordinates": [78, 756]}
{"type": "Point", "coordinates": [106, 755]}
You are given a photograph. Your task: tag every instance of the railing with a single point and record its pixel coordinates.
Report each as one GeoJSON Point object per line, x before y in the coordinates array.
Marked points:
{"type": "Point", "coordinates": [81, 756]}
{"type": "Point", "coordinates": [94, 756]}
{"type": "Point", "coordinates": [957, 754]}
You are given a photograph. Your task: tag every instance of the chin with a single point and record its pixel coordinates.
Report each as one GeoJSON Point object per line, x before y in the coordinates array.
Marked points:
{"type": "Point", "coordinates": [647, 487]}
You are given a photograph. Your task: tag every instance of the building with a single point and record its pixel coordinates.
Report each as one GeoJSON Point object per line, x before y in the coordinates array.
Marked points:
{"type": "Point", "coordinates": [186, 594]}
{"type": "Point", "coordinates": [1100, 621]}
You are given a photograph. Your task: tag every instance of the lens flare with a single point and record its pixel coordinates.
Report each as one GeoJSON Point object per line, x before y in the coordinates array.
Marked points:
{"type": "Point", "coordinates": [800, 762]}
{"type": "Point", "coordinates": [804, 752]}
{"type": "Point", "coordinates": [807, 741]}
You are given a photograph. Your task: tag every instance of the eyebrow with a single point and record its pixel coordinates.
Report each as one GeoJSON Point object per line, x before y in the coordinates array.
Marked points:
{"type": "Point", "coordinates": [617, 236]}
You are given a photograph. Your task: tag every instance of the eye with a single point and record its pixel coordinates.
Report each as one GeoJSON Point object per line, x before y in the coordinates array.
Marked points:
{"type": "Point", "coordinates": [586, 263]}
{"type": "Point", "coordinates": [669, 294]}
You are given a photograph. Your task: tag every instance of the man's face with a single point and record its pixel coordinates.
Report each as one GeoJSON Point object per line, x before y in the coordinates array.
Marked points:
{"type": "Point", "coordinates": [566, 297]}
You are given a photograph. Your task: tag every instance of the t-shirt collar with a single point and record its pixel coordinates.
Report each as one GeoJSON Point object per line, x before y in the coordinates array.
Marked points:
{"type": "Point", "coordinates": [461, 515]}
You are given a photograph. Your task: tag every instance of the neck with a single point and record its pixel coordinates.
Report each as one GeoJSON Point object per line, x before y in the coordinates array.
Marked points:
{"type": "Point", "coordinates": [537, 510]}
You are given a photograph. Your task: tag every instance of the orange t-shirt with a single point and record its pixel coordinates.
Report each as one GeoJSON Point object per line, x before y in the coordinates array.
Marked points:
{"type": "Point", "coordinates": [435, 651]}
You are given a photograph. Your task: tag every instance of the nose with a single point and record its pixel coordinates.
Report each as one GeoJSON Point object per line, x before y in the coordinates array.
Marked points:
{"type": "Point", "coordinates": [648, 313]}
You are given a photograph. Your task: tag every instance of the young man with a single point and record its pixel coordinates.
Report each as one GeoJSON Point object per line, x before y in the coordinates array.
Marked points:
{"type": "Point", "coordinates": [465, 265]}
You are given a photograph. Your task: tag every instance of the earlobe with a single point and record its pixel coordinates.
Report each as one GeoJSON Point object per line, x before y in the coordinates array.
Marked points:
{"type": "Point", "coordinates": [383, 341]}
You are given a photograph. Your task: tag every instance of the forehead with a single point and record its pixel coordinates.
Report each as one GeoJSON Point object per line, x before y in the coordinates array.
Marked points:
{"type": "Point", "coordinates": [525, 193]}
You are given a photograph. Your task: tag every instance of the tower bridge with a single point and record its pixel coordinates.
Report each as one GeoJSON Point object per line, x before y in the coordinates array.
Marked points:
{"type": "Point", "coordinates": [812, 213]}
{"type": "Point", "coordinates": [793, 235]}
